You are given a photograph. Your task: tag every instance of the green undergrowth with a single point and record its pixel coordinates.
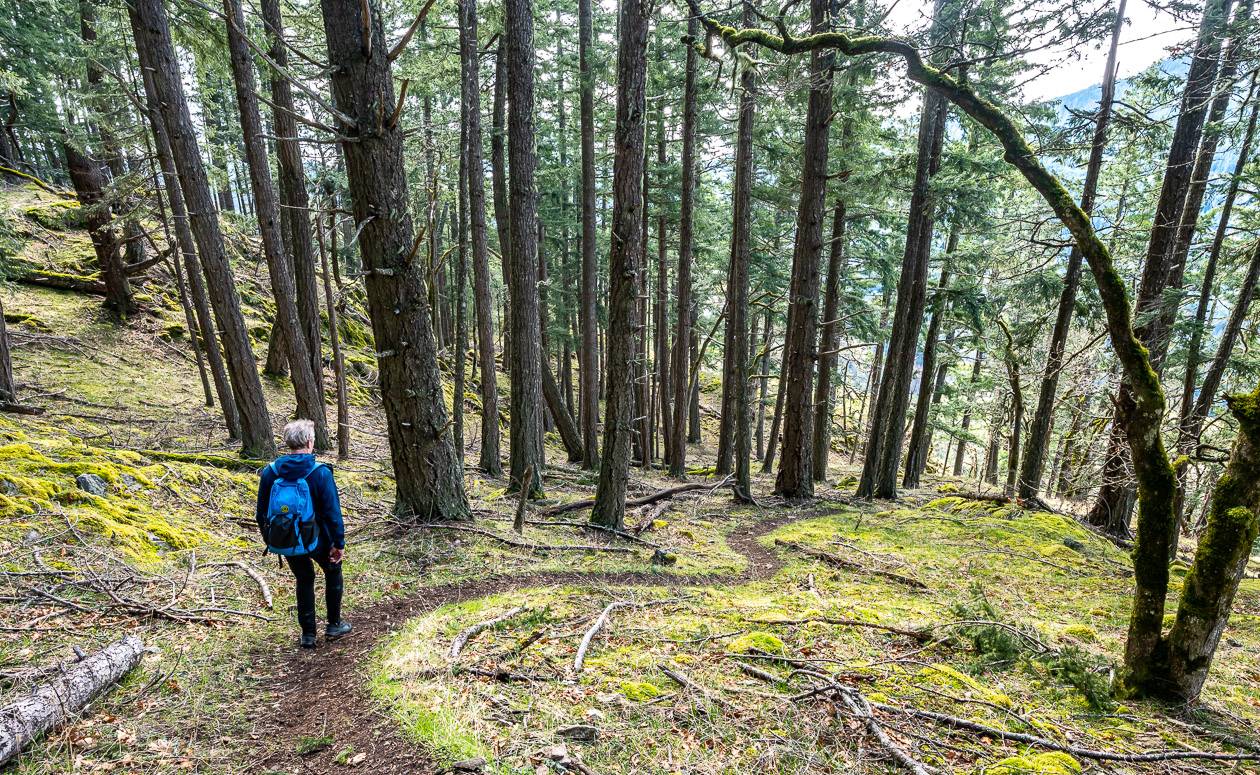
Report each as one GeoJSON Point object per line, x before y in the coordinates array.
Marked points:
{"type": "Point", "coordinates": [1021, 620]}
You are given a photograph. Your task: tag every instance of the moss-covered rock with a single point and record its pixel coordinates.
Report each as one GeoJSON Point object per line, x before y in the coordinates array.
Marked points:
{"type": "Point", "coordinates": [1048, 763]}
{"type": "Point", "coordinates": [640, 691]}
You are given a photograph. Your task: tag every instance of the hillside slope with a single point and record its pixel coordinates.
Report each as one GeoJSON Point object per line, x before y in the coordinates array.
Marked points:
{"type": "Point", "coordinates": [735, 637]}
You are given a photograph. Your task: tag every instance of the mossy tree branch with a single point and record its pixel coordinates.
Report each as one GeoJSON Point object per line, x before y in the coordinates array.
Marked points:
{"type": "Point", "coordinates": [1155, 474]}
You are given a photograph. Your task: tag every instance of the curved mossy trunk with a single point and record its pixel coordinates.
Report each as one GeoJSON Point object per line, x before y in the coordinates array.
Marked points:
{"type": "Point", "coordinates": [1179, 665]}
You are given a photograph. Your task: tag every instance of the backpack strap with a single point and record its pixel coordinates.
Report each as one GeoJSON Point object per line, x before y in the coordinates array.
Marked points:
{"type": "Point", "coordinates": [314, 468]}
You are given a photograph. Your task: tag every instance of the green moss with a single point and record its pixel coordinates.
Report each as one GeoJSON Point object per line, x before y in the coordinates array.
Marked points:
{"type": "Point", "coordinates": [757, 641]}
{"type": "Point", "coordinates": [56, 214]}
{"type": "Point", "coordinates": [1048, 763]}
{"type": "Point", "coordinates": [1081, 632]}
{"type": "Point", "coordinates": [640, 691]}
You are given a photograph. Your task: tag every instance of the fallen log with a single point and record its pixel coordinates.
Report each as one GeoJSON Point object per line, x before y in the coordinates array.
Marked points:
{"type": "Point", "coordinates": [53, 703]}
{"type": "Point", "coordinates": [847, 564]}
{"type": "Point", "coordinates": [631, 503]}
{"type": "Point", "coordinates": [9, 407]}
{"type": "Point", "coordinates": [533, 547]}
{"type": "Point", "coordinates": [62, 282]}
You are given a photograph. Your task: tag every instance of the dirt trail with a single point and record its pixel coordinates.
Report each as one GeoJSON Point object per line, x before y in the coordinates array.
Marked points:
{"type": "Point", "coordinates": [324, 692]}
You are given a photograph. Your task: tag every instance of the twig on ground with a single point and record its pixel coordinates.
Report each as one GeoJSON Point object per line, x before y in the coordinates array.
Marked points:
{"type": "Point", "coordinates": [263, 587]}
{"type": "Point", "coordinates": [847, 564]}
{"type": "Point", "coordinates": [686, 682]}
{"type": "Point", "coordinates": [468, 633]}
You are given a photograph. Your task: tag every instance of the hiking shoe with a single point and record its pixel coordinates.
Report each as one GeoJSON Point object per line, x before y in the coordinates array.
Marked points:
{"type": "Point", "coordinates": [335, 631]}
{"type": "Point", "coordinates": [308, 641]}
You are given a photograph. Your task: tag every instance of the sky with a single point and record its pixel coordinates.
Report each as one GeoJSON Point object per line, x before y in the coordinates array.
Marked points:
{"type": "Point", "coordinates": [1144, 40]}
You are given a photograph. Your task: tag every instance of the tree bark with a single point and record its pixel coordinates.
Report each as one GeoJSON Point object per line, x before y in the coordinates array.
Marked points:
{"type": "Point", "coordinates": [828, 341]}
{"type": "Point", "coordinates": [498, 182]}
{"type": "Point", "coordinates": [664, 352]}
{"type": "Point", "coordinates": [917, 447]}
{"type": "Point", "coordinates": [680, 369]}
{"type": "Point", "coordinates": [625, 261]}
{"type": "Point", "coordinates": [153, 37]}
{"type": "Point", "coordinates": [68, 692]}
{"type": "Point", "coordinates": [295, 219]}
{"type": "Point", "coordinates": [883, 448]}
{"type": "Point", "coordinates": [8, 388]}
{"type": "Point", "coordinates": [588, 306]}
{"type": "Point", "coordinates": [965, 425]}
{"type": "Point", "coordinates": [427, 470]}
{"type": "Point", "coordinates": [526, 427]}
{"type": "Point", "coordinates": [470, 102]}
{"type": "Point", "coordinates": [306, 385]}
{"type": "Point", "coordinates": [1181, 665]}
{"type": "Point", "coordinates": [736, 389]}
{"type": "Point", "coordinates": [795, 479]}
{"type": "Point", "coordinates": [1161, 273]}
{"type": "Point", "coordinates": [1039, 427]}
{"type": "Point", "coordinates": [88, 177]}
{"type": "Point", "coordinates": [334, 340]}
{"type": "Point", "coordinates": [187, 246]}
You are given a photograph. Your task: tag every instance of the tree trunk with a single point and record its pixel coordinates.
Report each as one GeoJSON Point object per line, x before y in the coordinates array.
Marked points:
{"type": "Point", "coordinates": [625, 261]}
{"type": "Point", "coordinates": [965, 425]}
{"type": "Point", "coordinates": [1017, 409]}
{"type": "Point", "coordinates": [295, 220]}
{"type": "Point", "coordinates": [153, 39]}
{"type": "Point", "coordinates": [680, 369]}
{"type": "Point", "coordinates": [334, 341]}
{"type": "Point", "coordinates": [187, 246]}
{"type": "Point", "coordinates": [828, 341]}
{"type": "Point", "coordinates": [736, 390]}
{"type": "Point", "coordinates": [67, 693]}
{"type": "Point", "coordinates": [588, 366]}
{"type": "Point", "coordinates": [306, 386]}
{"type": "Point", "coordinates": [663, 350]}
{"type": "Point", "coordinates": [1039, 428]}
{"type": "Point", "coordinates": [88, 177]}
{"type": "Point", "coordinates": [498, 182]}
{"type": "Point", "coordinates": [526, 427]}
{"type": "Point", "coordinates": [917, 447]}
{"type": "Point", "coordinates": [470, 103]}
{"type": "Point", "coordinates": [460, 361]}
{"type": "Point", "coordinates": [427, 470]}
{"type": "Point", "coordinates": [1187, 425]}
{"type": "Point", "coordinates": [795, 479]}
{"type": "Point", "coordinates": [883, 448]}
{"type": "Point", "coordinates": [763, 365]}
{"type": "Point", "coordinates": [1161, 274]}
{"type": "Point", "coordinates": [1180, 665]}
{"type": "Point", "coordinates": [8, 388]}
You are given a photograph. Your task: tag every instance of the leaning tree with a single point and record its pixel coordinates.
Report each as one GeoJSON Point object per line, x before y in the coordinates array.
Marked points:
{"type": "Point", "coordinates": [1168, 665]}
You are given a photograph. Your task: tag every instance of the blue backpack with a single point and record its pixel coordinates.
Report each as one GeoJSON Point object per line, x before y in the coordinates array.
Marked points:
{"type": "Point", "coordinates": [290, 529]}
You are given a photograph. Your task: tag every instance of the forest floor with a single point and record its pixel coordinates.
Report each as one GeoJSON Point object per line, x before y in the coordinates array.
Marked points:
{"type": "Point", "coordinates": [940, 602]}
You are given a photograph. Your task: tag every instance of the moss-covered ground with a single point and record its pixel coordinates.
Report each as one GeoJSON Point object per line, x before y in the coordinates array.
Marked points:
{"type": "Point", "coordinates": [743, 613]}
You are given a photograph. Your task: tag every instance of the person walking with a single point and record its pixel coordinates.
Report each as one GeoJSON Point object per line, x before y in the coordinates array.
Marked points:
{"type": "Point", "coordinates": [299, 516]}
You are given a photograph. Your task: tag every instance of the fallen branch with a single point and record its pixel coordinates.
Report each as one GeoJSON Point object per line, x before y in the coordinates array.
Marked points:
{"type": "Point", "coordinates": [631, 503]}
{"type": "Point", "coordinates": [53, 703]}
{"type": "Point", "coordinates": [592, 526]}
{"type": "Point", "coordinates": [922, 636]}
{"type": "Point", "coordinates": [469, 633]}
{"type": "Point", "coordinates": [1085, 753]}
{"type": "Point", "coordinates": [687, 683]}
{"type": "Point", "coordinates": [847, 564]}
{"type": "Point", "coordinates": [859, 706]}
{"type": "Point", "coordinates": [600, 622]}
{"type": "Point", "coordinates": [521, 544]}
{"type": "Point", "coordinates": [263, 588]}
{"type": "Point", "coordinates": [62, 282]}
{"type": "Point", "coordinates": [15, 408]}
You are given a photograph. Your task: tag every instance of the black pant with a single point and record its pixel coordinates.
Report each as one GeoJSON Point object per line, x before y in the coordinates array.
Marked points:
{"type": "Point", "coordinates": [304, 571]}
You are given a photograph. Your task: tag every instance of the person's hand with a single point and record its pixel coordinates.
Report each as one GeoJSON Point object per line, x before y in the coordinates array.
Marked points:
{"type": "Point", "coordinates": [335, 554]}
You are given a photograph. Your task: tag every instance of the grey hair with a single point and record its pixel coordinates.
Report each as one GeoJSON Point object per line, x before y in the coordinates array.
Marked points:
{"type": "Point", "coordinates": [298, 434]}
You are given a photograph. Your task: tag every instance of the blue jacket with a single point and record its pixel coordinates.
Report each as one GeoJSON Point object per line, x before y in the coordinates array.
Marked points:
{"type": "Point", "coordinates": [332, 531]}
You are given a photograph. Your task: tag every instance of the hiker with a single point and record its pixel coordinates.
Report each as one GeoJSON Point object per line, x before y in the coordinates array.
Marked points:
{"type": "Point", "coordinates": [299, 515]}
